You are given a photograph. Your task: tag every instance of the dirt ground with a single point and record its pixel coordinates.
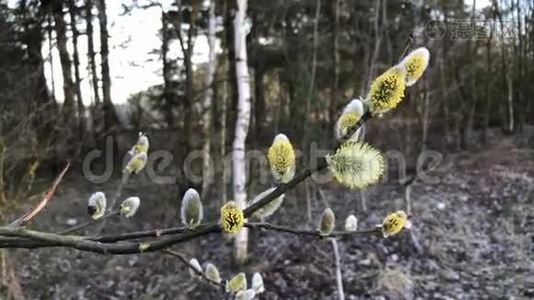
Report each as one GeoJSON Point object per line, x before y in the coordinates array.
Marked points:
{"type": "Point", "coordinates": [473, 238]}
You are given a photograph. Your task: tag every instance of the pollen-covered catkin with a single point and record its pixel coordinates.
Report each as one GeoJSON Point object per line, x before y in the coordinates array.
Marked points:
{"type": "Point", "coordinates": [281, 157]}
{"type": "Point", "coordinates": [349, 118]}
{"type": "Point", "coordinates": [141, 146]}
{"type": "Point", "coordinates": [387, 90]}
{"type": "Point", "coordinates": [237, 283]}
{"type": "Point", "coordinates": [136, 163]}
{"type": "Point", "coordinates": [356, 165]}
{"type": "Point", "coordinates": [394, 223]}
{"type": "Point", "coordinates": [415, 64]}
{"type": "Point", "coordinates": [232, 218]}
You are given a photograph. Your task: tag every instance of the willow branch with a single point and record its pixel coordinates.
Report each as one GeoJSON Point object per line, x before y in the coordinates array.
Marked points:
{"type": "Point", "coordinates": [82, 243]}
{"type": "Point", "coordinates": [313, 233]}
{"type": "Point", "coordinates": [116, 244]}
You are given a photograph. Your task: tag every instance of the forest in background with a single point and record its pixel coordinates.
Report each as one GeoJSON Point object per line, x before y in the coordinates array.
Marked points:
{"type": "Point", "coordinates": [306, 60]}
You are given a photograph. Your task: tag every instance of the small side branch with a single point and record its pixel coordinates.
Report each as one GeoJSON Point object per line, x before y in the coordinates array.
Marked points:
{"type": "Point", "coordinates": [38, 207]}
{"type": "Point", "coordinates": [314, 233]}
{"type": "Point", "coordinates": [201, 274]}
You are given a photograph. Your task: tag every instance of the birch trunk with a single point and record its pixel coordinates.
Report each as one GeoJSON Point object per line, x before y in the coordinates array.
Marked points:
{"type": "Point", "coordinates": [242, 123]}
{"type": "Point", "coordinates": [207, 174]}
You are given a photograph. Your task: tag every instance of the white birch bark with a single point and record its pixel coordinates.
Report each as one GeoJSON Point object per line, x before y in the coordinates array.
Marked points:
{"type": "Point", "coordinates": [242, 123]}
{"type": "Point", "coordinates": [207, 169]}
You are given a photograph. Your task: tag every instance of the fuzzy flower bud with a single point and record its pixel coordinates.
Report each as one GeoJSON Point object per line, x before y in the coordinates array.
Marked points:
{"type": "Point", "coordinates": [232, 218]}
{"type": "Point", "coordinates": [351, 223]}
{"type": "Point", "coordinates": [141, 146]}
{"type": "Point", "coordinates": [212, 273]}
{"type": "Point", "coordinates": [257, 283]}
{"type": "Point", "coordinates": [96, 206]}
{"type": "Point", "coordinates": [129, 206]}
{"type": "Point", "coordinates": [245, 295]}
{"type": "Point", "coordinates": [348, 119]}
{"type": "Point", "coordinates": [328, 222]}
{"type": "Point", "coordinates": [282, 159]}
{"type": "Point", "coordinates": [269, 208]}
{"type": "Point", "coordinates": [356, 165]}
{"type": "Point", "coordinates": [387, 90]}
{"type": "Point", "coordinates": [237, 283]}
{"type": "Point", "coordinates": [136, 163]}
{"type": "Point", "coordinates": [394, 223]}
{"type": "Point", "coordinates": [196, 265]}
{"type": "Point", "coordinates": [191, 211]}
{"type": "Point", "coordinates": [415, 64]}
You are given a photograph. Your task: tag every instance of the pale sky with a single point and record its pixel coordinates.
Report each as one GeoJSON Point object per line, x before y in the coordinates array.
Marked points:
{"type": "Point", "coordinates": [132, 37]}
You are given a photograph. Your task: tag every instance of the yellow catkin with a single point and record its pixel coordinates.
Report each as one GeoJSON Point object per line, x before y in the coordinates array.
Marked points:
{"type": "Point", "coordinates": [232, 218]}
{"type": "Point", "coordinates": [356, 165]}
{"type": "Point", "coordinates": [347, 121]}
{"type": "Point", "coordinates": [387, 90]}
{"type": "Point", "coordinates": [281, 157]}
{"type": "Point", "coordinates": [394, 223]}
{"type": "Point", "coordinates": [415, 64]}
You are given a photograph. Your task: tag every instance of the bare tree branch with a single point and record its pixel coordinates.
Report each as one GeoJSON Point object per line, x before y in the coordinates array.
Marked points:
{"type": "Point", "coordinates": [47, 196]}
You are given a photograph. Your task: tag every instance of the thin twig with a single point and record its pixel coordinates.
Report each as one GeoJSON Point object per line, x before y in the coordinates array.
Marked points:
{"type": "Point", "coordinates": [124, 180]}
{"type": "Point", "coordinates": [315, 233]}
{"type": "Point", "coordinates": [201, 274]}
{"type": "Point", "coordinates": [89, 223]}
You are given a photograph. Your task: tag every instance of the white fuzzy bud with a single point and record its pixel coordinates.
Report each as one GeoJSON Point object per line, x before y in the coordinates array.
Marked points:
{"type": "Point", "coordinates": [129, 206]}
{"type": "Point", "coordinates": [257, 283]}
{"type": "Point", "coordinates": [96, 206]}
{"type": "Point", "coordinates": [212, 273]}
{"type": "Point", "coordinates": [351, 223]}
{"type": "Point", "coordinates": [245, 295]}
{"type": "Point", "coordinates": [191, 211]}
{"type": "Point", "coordinates": [196, 265]}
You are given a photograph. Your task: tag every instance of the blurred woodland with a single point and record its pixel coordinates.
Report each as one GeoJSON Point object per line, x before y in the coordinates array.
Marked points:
{"type": "Point", "coordinates": [306, 60]}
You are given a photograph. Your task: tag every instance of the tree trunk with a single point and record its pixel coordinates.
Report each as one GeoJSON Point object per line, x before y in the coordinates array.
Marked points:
{"type": "Point", "coordinates": [43, 103]}
{"type": "Point", "coordinates": [167, 96]}
{"type": "Point", "coordinates": [229, 38]}
{"type": "Point", "coordinates": [91, 49]}
{"type": "Point", "coordinates": [242, 124]}
{"type": "Point", "coordinates": [68, 86]}
{"type": "Point", "coordinates": [76, 61]}
{"type": "Point", "coordinates": [110, 116]}
{"type": "Point", "coordinates": [208, 99]}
